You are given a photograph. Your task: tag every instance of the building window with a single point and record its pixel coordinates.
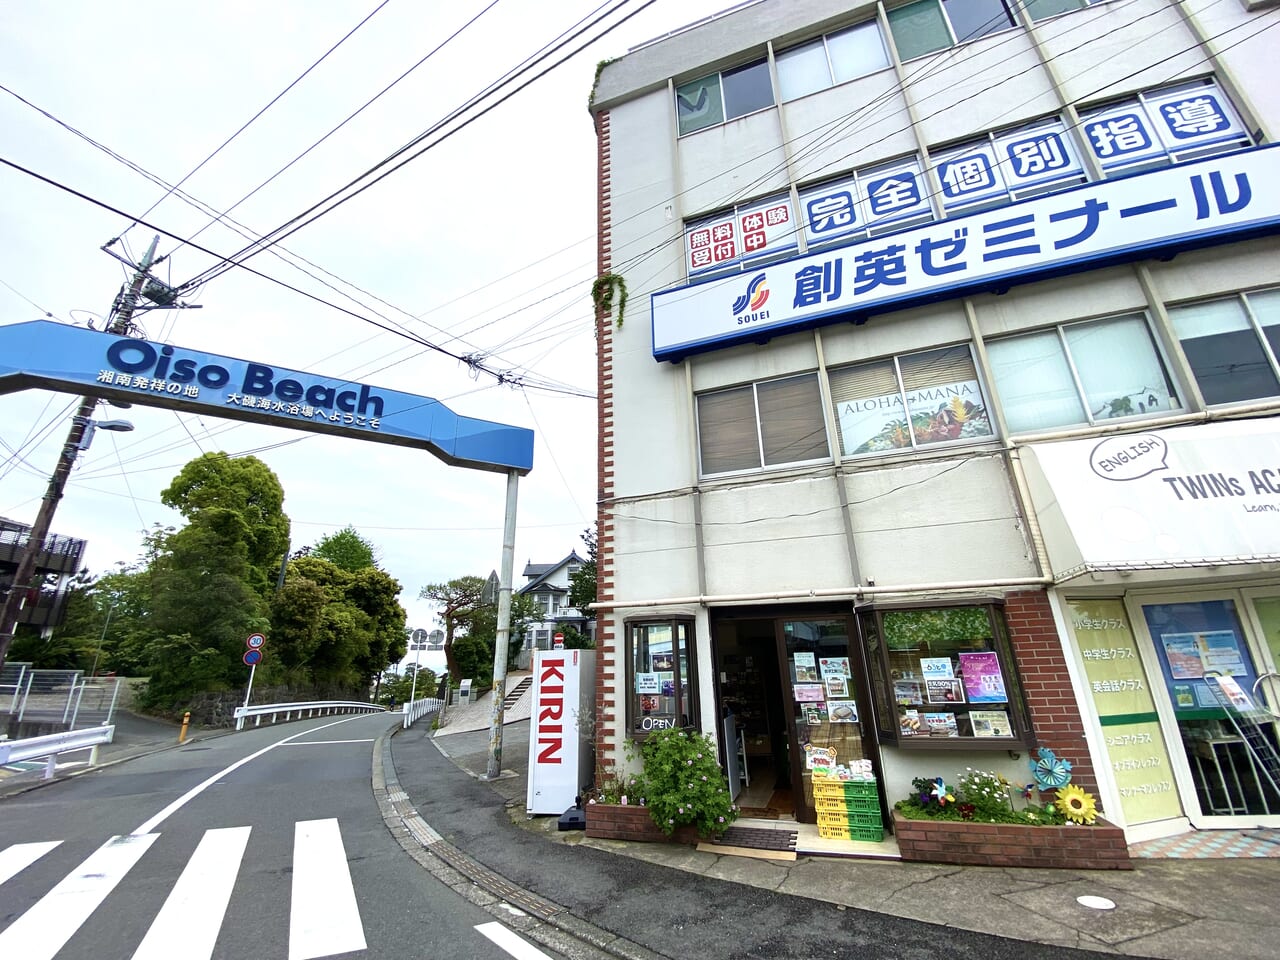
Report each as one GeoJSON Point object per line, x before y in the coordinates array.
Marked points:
{"type": "Point", "coordinates": [918, 400]}
{"type": "Point", "coordinates": [660, 676]}
{"type": "Point", "coordinates": [1158, 127]}
{"type": "Point", "coordinates": [718, 97]}
{"type": "Point", "coordinates": [765, 424]}
{"type": "Point", "coordinates": [1012, 165]}
{"type": "Point", "coordinates": [542, 639]}
{"type": "Point", "coordinates": [747, 234]}
{"type": "Point", "coordinates": [944, 676]}
{"type": "Point", "coordinates": [1080, 373]}
{"type": "Point", "coordinates": [544, 602]}
{"type": "Point", "coordinates": [1043, 9]}
{"type": "Point", "coordinates": [928, 25]}
{"type": "Point", "coordinates": [835, 58]}
{"type": "Point", "coordinates": [1232, 345]}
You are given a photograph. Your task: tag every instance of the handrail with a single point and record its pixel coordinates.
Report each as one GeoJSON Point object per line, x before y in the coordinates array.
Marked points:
{"type": "Point", "coordinates": [417, 709]}
{"type": "Point", "coordinates": [316, 708]}
{"type": "Point", "coordinates": [52, 744]}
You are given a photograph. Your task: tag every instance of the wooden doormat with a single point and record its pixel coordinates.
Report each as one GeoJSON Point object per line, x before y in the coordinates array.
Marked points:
{"type": "Point", "coordinates": [761, 843]}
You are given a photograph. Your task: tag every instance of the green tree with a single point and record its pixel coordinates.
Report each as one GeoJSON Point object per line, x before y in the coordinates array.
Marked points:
{"type": "Point", "coordinates": [244, 499]}
{"type": "Point", "coordinates": [346, 549]}
{"type": "Point", "coordinates": [574, 639]}
{"type": "Point", "coordinates": [483, 626]}
{"type": "Point", "coordinates": [459, 600]}
{"type": "Point", "coordinates": [582, 582]}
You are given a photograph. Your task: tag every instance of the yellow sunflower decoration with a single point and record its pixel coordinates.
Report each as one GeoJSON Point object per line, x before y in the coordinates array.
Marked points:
{"type": "Point", "coordinates": [1077, 805]}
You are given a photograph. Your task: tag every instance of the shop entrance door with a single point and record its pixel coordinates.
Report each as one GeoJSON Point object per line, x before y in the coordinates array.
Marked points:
{"type": "Point", "coordinates": [823, 691]}
{"type": "Point", "coordinates": [1195, 638]}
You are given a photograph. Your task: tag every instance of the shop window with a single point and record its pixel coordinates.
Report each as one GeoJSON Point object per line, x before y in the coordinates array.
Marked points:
{"type": "Point", "coordinates": [662, 691]}
{"type": "Point", "coordinates": [835, 58]}
{"type": "Point", "coordinates": [1158, 127]}
{"type": "Point", "coordinates": [928, 25]}
{"type": "Point", "coordinates": [947, 675]}
{"type": "Point", "coordinates": [718, 97]}
{"type": "Point", "coordinates": [1232, 345]}
{"type": "Point", "coordinates": [914, 401]}
{"type": "Point", "coordinates": [765, 424]}
{"type": "Point", "coordinates": [1080, 373]}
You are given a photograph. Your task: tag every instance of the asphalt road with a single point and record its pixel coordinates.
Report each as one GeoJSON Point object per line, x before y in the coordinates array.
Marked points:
{"type": "Point", "coordinates": [284, 855]}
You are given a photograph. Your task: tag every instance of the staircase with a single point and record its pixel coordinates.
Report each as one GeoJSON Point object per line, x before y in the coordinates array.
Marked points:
{"type": "Point", "coordinates": [516, 692]}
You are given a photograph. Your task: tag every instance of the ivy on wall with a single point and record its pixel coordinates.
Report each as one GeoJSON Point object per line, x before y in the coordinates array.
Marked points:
{"type": "Point", "coordinates": [605, 290]}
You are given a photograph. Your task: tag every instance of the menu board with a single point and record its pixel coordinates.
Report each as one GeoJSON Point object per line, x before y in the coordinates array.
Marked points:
{"type": "Point", "coordinates": [1121, 695]}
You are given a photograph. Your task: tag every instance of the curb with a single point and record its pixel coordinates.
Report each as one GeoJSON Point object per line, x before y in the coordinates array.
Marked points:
{"type": "Point", "coordinates": [538, 918]}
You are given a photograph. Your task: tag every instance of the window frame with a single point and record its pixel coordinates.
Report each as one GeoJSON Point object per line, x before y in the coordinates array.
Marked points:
{"type": "Point", "coordinates": [824, 40]}
{"type": "Point", "coordinates": [688, 711]}
{"type": "Point", "coordinates": [914, 446]}
{"type": "Point", "coordinates": [941, 6]}
{"type": "Point", "coordinates": [1177, 404]}
{"type": "Point", "coordinates": [719, 76]}
{"type": "Point", "coordinates": [1269, 352]}
{"type": "Point", "coordinates": [761, 465]}
{"type": "Point", "coordinates": [876, 651]}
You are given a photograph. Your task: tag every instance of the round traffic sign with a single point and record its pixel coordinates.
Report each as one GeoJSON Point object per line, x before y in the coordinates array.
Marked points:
{"type": "Point", "coordinates": [251, 657]}
{"type": "Point", "coordinates": [255, 641]}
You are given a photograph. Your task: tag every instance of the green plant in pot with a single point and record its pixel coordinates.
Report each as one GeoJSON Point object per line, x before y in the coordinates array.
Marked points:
{"type": "Point", "coordinates": [683, 782]}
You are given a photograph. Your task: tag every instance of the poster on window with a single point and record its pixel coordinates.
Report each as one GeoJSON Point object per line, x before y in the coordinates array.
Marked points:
{"type": "Point", "coordinates": [990, 723]}
{"type": "Point", "coordinates": [1192, 655]}
{"type": "Point", "coordinates": [837, 687]}
{"type": "Point", "coordinates": [842, 711]}
{"type": "Point", "coordinates": [936, 668]}
{"type": "Point", "coordinates": [949, 690]}
{"type": "Point", "coordinates": [805, 667]}
{"type": "Point", "coordinates": [933, 414]}
{"type": "Point", "coordinates": [834, 667]}
{"type": "Point", "coordinates": [648, 683]}
{"type": "Point", "coordinates": [809, 693]}
{"type": "Point", "coordinates": [983, 681]}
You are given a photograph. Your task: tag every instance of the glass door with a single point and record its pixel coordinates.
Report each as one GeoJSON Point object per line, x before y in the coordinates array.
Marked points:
{"type": "Point", "coordinates": [1265, 607]}
{"type": "Point", "coordinates": [1195, 640]}
{"type": "Point", "coordinates": [822, 702]}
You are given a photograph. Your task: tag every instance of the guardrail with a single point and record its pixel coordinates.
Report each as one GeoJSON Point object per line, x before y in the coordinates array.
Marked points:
{"type": "Point", "coordinates": [417, 709]}
{"type": "Point", "coordinates": [318, 708]}
{"type": "Point", "coordinates": [53, 744]}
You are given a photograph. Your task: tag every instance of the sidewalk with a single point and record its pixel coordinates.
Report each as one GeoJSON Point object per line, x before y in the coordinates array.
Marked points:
{"type": "Point", "coordinates": [1182, 909]}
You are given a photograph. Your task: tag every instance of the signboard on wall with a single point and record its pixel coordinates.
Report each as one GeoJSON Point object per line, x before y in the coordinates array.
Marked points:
{"type": "Point", "coordinates": [55, 356]}
{"type": "Point", "coordinates": [1134, 743]}
{"type": "Point", "coordinates": [1198, 494]}
{"type": "Point", "coordinates": [1229, 197]}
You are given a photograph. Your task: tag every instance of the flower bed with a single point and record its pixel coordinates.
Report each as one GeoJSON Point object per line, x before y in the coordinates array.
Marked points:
{"type": "Point", "coordinates": [1098, 847]}
{"type": "Point", "coordinates": [616, 821]}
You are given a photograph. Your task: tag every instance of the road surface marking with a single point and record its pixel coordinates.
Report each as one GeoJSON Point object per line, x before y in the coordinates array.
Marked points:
{"type": "Point", "coordinates": [323, 916]}
{"type": "Point", "coordinates": [516, 946]}
{"type": "Point", "coordinates": [191, 917]}
{"type": "Point", "coordinates": [317, 743]}
{"type": "Point", "coordinates": [15, 859]}
{"type": "Point", "coordinates": [44, 929]}
{"type": "Point", "coordinates": [199, 788]}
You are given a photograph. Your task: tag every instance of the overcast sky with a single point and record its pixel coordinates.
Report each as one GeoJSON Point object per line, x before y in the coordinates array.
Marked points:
{"type": "Point", "coordinates": [484, 245]}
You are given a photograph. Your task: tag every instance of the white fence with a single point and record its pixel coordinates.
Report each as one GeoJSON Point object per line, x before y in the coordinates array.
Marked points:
{"type": "Point", "coordinates": [418, 709]}
{"type": "Point", "coordinates": [57, 697]}
{"type": "Point", "coordinates": [298, 711]}
{"type": "Point", "coordinates": [53, 744]}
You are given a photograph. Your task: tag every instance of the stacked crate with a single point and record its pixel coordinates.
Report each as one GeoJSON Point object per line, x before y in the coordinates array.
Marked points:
{"type": "Point", "coordinates": [848, 809]}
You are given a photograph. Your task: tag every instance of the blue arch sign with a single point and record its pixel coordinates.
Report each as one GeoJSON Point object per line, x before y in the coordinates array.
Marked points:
{"type": "Point", "coordinates": [42, 353]}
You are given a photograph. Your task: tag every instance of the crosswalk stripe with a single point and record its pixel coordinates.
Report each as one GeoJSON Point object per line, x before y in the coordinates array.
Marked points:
{"type": "Point", "coordinates": [15, 859]}
{"type": "Point", "coordinates": [191, 917]}
{"type": "Point", "coordinates": [43, 930]}
{"type": "Point", "coordinates": [323, 916]}
{"type": "Point", "coordinates": [511, 942]}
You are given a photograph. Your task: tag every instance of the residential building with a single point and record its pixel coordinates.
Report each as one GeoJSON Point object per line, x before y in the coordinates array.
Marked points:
{"type": "Point", "coordinates": [56, 564]}
{"type": "Point", "coordinates": [548, 584]}
{"type": "Point", "coordinates": [938, 395]}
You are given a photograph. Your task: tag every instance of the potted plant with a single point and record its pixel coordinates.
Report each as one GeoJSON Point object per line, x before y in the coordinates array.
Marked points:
{"type": "Point", "coordinates": [681, 792]}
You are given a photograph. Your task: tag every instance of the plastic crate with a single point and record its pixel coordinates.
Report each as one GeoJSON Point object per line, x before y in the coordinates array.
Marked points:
{"type": "Point", "coordinates": [830, 804]}
{"type": "Point", "coordinates": [825, 787]}
{"type": "Point", "coordinates": [836, 831]}
{"type": "Point", "coordinates": [863, 803]}
{"type": "Point", "coordinates": [850, 818]}
{"type": "Point", "coordinates": [865, 834]}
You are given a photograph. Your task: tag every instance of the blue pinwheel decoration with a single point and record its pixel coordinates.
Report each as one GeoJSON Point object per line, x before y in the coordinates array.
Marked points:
{"type": "Point", "coordinates": [1050, 771]}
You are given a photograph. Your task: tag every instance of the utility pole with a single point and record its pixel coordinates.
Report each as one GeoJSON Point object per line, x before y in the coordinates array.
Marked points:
{"type": "Point", "coordinates": [23, 577]}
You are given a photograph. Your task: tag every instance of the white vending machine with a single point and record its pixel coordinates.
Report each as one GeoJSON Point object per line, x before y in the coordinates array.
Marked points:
{"type": "Point", "coordinates": [561, 752]}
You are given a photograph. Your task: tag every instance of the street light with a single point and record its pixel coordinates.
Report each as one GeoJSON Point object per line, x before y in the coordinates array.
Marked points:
{"type": "Point", "coordinates": [103, 639]}
{"type": "Point", "coordinates": [90, 426]}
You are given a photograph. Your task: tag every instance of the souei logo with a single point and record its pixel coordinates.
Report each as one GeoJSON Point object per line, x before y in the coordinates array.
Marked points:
{"type": "Point", "coordinates": [140, 357]}
{"type": "Point", "coordinates": [747, 307]}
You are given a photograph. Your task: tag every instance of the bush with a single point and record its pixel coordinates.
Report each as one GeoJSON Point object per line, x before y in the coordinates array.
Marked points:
{"type": "Point", "coordinates": [683, 782]}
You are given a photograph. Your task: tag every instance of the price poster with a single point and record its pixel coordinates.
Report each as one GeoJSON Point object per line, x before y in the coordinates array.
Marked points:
{"type": "Point", "coordinates": [1122, 696]}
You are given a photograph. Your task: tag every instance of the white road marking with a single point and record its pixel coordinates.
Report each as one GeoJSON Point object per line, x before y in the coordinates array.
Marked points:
{"type": "Point", "coordinates": [191, 917]}
{"type": "Point", "coordinates": [316, 743]}
{"type": "Point", "coordinates": [15, 859]}
{"type": "Point", "coordinates": [199, 788]}
{"type": "Point", "coordinates": [44, 929]}
{"type": "Point", "coordinates": [323, 916]}
{"type": "Point", "coordinates": [516, 946]}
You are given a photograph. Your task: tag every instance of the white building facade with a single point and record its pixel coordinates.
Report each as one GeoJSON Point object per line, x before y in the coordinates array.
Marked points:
{"type": "Point", "coordinates": [938, 395]}
{"type": "Point", "coordinates": [548, 584]}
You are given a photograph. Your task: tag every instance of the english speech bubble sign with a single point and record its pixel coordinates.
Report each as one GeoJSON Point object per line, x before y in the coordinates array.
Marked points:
{"type": "Point", "coordinates": [1129, 457]}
